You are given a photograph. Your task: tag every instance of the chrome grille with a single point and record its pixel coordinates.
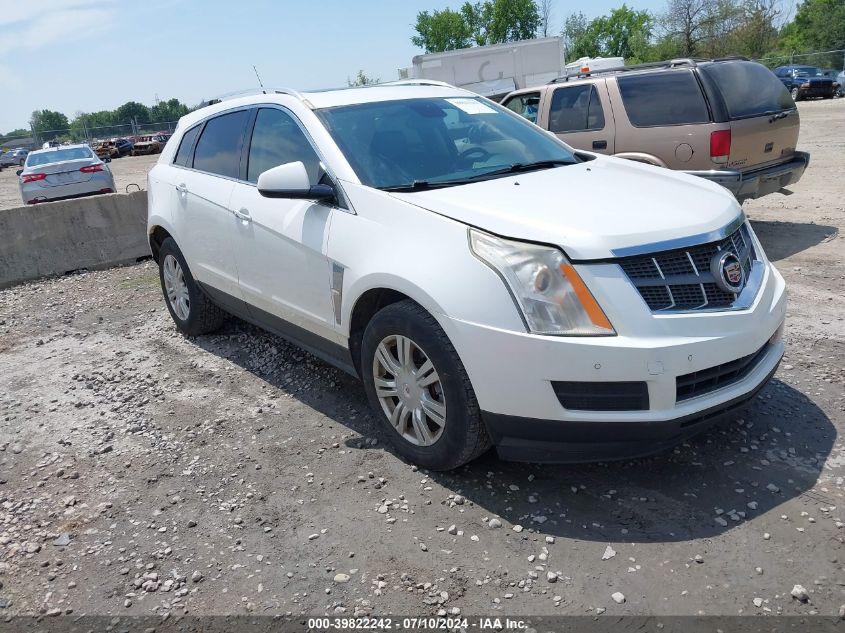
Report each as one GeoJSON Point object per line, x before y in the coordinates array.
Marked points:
{"type": "Point", "coordinates": [680, 279]}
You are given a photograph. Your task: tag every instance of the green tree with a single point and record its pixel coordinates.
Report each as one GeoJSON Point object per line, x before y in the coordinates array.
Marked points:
{"type": "Point", "coordinates": [623, 33]}
{"type": "Point", "coordinates": [132, 110]}
{"type": "Point", "coordinates": [574, 40]}
{"type": "Point", "coordinates": [441, 31]}
{"type": "Point", "coordinates": [819, 25]}
{"type": "Point", "coordinates": [361, 80]}
{"type": "Point", "coordinates": [48, 124]}
{"type": "Point", "coordinates": [478, 18]}
{"type": "Point", "coordinates": [488, 22]}
{"type": "Point", "coordinates": [513, 20]}
{"type": "Point", "coordinates": [170, 110]}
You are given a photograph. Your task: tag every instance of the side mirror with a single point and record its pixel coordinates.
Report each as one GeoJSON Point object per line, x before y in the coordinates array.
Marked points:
{"type": "Point", "coordinates": [291, 181]}
{"type": "Point", "coordinates": [19, 172]}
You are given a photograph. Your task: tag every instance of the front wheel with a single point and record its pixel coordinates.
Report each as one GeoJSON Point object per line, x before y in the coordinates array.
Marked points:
{"type": "Point", "coordinates": [192, 311]}
{"type": "Point", "coordinates": [419, 388]}
{"type": "Point", "coordinates": [796, 96]}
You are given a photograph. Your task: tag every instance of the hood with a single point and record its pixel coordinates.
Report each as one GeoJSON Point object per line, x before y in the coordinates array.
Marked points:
{"type": "Point", "coordinates": [589, 209]}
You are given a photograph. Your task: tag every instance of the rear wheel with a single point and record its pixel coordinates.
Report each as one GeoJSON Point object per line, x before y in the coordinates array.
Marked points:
{"type": "Point", "coordinates": [419, 388]}
{"type": "Point", "coordinates": [192, 311]}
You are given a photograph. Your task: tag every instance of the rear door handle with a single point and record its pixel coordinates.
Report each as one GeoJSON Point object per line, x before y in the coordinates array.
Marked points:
{"type": "Point", "coordinates": [182, 188]}
{"type": "Point", "coordinates": [599, 144]}
{"type": "Point", "coordinates": [243, 215]}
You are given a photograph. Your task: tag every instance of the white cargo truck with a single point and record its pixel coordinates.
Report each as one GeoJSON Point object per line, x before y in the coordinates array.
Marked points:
{"type": "Point", "coordinates": [493, 71]}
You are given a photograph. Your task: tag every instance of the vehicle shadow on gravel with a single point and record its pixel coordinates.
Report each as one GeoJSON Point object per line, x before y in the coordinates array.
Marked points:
{"type": "Point", "coordinates": [770, 452]}
{"type": "Point", "coordinates": [758, 459]}
{"type": "Point", "coordinates": [783, 239]}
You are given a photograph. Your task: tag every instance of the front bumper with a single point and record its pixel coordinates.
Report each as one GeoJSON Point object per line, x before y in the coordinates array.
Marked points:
{"type": "Point", "coordinates": [513, 373]}
{"type": "Point", "coordinates": [761, 182]}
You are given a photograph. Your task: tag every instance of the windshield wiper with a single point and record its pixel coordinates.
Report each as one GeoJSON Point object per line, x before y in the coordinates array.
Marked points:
{"type": "Point", "coordinates": [521, 167]}
{"type": "Point", "coordinates": [423, 185]}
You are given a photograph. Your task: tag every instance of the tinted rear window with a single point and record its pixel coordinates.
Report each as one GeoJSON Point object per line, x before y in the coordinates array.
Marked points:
{"type": "Point", "coordinates": [219, 148]}
{"type": "Point", "coordinates": [748, 89]}
{"type": "Point", "coordinates": [576, 108]}
{"type": "Point", "coordinates": [58, 155]}
{"type": "Point", "coordinates": [667, 98]}
{"type": "Point", "coordinates": [186, 147]}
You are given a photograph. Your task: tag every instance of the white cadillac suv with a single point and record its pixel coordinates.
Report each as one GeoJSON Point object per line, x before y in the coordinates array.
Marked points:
{"type": "Point", "coordinates": [487, 283]}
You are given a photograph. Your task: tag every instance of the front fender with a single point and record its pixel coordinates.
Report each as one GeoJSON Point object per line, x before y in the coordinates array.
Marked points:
{"type": "Point", "coordinates": [395, 245]}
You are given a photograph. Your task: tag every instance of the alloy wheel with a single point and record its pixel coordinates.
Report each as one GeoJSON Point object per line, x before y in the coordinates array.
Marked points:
{"type": "Point", "coordinates": [409, 390]}
{"type": "Point", "coordinates": [176, 288]}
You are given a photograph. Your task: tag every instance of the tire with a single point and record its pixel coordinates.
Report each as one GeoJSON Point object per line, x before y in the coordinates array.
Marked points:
{"type": "Point", "coordinates": [197, 315]}
{"type": "Point", "coordinates": [796, 95]}
{"type": "Point", "coordinates": [21, 162]}
{"type": "Point", "coordinates": [462, 436]}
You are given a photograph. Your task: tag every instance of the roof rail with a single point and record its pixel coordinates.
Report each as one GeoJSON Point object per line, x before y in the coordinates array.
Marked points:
{"type": "Point", "coordinates": [669, 63]}
{"type": "Point", "coordinates": [416, 82]}
{"type": "Point", "coordinates": [249, 92]}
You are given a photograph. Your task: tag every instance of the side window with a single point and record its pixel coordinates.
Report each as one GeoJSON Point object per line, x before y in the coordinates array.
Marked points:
{"type": "Point", "coordinates": [665, 98]}
{"type": "Point", "coordinates": [186, 148]}
{"type": "Point", "coordinates": [219, 148]}
{"type": "Point", "coordinates": [276, 140]}
{"type": "Point", "coordinates": [526, 105]}
{"type": "Point", "coordinates": [575, 109]}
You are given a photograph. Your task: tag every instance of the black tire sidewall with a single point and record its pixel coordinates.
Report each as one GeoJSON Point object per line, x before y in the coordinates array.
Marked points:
{"type": "Point", "coordinates": [446, 451]}
{"type": "Point", "coordinates": [189, 325]}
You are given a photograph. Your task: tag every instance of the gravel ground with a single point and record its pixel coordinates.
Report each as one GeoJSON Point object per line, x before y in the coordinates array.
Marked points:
{"type": "Point", "coordinates": [145, 473]}
{"type": "Point", "coordinates": [128, 172]}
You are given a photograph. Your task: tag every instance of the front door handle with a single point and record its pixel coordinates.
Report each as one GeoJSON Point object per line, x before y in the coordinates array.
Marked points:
{"type": "Point", "coordinates": [243, 215]}
{"type": "Point", "coordinates": [182, 188]}
{"type": "Point", "coordinates": [599, 144]}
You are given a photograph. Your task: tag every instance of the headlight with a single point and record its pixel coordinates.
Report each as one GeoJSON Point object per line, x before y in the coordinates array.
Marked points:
{"type": "Point", "coordinates": [806, 84]}
{"type": "Point", "coordinates": [546, 288]}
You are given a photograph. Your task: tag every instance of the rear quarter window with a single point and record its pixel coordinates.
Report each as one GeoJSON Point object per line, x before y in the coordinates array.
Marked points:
{"type": "Point", "coordinates": [748, 89]}
{"type": "Point", "coordinates": [660, 99]}
{"type": "Point", "coordinates": [185, 153]}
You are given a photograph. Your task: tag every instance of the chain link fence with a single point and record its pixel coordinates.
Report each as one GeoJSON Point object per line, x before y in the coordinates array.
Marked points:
{"type": "Point", "coordinates": [823, 59]}
{"type": "Point", "coordinates": [85, 134]}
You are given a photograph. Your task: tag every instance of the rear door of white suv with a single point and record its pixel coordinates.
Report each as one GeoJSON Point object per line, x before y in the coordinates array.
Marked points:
{"type": "Point", "coordinates": [202, 190]}
{"type": "Point", "coordinates": [280, 243]}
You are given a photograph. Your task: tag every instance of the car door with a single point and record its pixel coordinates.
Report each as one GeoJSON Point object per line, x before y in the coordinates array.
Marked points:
{"type": "Point", "coordinates": [280, 243]}
{"type": "Point", "coordinates": [202, 191]}
{"type": "Point", "coordinates": [576, 114]}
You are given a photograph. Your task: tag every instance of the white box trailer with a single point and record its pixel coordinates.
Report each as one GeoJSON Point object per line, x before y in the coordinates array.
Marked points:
{"type": "Point", "coordinates": [495, 70]}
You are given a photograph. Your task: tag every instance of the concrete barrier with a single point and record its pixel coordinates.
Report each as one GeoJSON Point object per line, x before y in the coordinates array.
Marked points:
{"type": "Point", "coordinates": [54, 238]}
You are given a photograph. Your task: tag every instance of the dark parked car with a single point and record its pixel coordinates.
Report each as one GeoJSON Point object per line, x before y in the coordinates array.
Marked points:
{"type": "Point", "coordinates": [124, 146]}
{"type": "Point", "coordinates": [805, 82]}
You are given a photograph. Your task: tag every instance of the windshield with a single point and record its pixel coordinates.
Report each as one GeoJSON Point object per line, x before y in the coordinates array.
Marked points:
{"type": "Point", "coordinates": [438, 142]}
{"type": "Point", "coordinates": [808, 71]}
{"type": "Point", "coordinates": [57, 156]}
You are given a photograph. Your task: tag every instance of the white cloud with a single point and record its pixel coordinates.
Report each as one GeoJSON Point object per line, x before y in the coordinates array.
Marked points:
{"type": "Point", "coordinates": [14, 13]}
{"type": "Point", "coordinates": [68, 21]}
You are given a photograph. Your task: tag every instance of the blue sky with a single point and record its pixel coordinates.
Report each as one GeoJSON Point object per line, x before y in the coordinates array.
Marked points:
{"type": "Point", "coordinates": [72, 55]}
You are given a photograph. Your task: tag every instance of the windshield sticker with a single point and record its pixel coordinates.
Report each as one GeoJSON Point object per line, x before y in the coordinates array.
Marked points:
{"type": "Point", "coordinates": [471, 106]}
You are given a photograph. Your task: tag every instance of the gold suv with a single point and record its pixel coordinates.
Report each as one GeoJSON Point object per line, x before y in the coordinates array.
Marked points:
{"type": "Point", "coordinates": [728, 120]}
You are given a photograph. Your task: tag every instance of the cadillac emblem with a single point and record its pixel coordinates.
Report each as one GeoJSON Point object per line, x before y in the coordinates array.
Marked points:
{"type": "Point", "coordinates": [727, 271]}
